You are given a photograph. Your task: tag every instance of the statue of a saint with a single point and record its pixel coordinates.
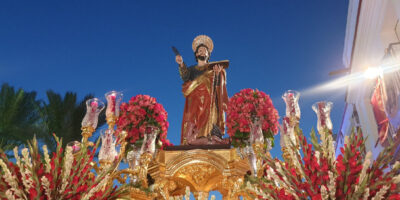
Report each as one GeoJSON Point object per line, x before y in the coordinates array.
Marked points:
{"type": "Point", "coordinates": [206, 97]}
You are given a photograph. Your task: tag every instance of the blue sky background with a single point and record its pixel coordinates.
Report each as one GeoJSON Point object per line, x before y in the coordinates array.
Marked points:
{"type": "Point", "coordinates": [98, 46]}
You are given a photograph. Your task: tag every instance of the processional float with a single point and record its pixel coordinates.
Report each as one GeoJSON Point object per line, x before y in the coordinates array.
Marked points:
{"type": "Point", "coordinates": [204, 161]}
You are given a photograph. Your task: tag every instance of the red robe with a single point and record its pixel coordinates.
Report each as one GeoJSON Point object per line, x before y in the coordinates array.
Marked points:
{"type": "Point", "coordinates": [205, 104]}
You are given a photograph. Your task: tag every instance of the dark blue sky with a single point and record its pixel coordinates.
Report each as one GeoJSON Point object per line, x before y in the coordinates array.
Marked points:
{"type": "Point", "coordinates": [97, 46]}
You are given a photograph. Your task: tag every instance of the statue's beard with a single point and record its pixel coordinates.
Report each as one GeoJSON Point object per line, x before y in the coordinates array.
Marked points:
{"type": "Point", "coordinates": [202, 58]}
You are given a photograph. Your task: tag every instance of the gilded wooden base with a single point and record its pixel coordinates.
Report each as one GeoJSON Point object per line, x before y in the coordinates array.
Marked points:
{"type": "Point", "coordinates": [136, 194]}
{"type": "Point", "coordinates": [202, 170]}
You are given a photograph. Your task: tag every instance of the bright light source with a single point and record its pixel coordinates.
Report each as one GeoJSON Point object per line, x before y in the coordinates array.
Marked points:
{"type": "Point", "coordinates": [345, 81]}
{"type": "Point", "coordinates": [372, 72]}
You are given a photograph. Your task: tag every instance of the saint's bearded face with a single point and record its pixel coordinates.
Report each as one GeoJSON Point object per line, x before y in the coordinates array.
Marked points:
{"type": "Point", "coordinates": [202, 53]}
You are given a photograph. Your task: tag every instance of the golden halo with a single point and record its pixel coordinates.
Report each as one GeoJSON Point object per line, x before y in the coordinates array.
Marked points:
{"type": "Point", "coordinates": [205, 40]}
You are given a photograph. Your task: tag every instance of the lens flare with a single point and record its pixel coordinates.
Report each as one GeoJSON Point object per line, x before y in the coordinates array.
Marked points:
{"type": "Point", "coordinates": [342, 82]}
{"type": "Point", "coordinates": [372, 72]}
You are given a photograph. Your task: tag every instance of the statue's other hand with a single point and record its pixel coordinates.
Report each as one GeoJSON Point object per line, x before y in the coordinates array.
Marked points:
{"type": "Point", "coordinates": [179, 59]}
{"type": "Point", "coordinates": [224, 107]}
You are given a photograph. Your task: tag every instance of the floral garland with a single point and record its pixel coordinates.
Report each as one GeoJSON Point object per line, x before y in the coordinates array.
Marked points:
{"type": "Point", "coordinates": [243, 108]}
{"type": "Point", "coordinates": [64, 175]}
{"type": "Point", "coordinates": [320, 175]}
{"type": "Point", "coordinates": [139, 113]}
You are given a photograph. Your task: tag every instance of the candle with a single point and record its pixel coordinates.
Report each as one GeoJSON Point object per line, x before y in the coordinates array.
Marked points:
{"type": "Point", "coordinates": [94, 106]}
{"type": "Point", "coordinates": [92, 114]}
{"type": "Point", "coordinates": [113, 100]}
{"type": "Point", "coordinates": [291, 104]}
{"type": "Point", "coordinates": [75, 148]}
{"type": "Point", "coordinates": [112, 97]}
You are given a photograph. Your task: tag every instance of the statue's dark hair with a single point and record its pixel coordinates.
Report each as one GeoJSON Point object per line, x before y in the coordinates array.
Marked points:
{"type": "Point", "coordinates": [197, 49]}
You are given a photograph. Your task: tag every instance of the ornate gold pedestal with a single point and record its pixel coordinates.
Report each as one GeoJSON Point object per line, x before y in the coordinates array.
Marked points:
{"type": "Point", "coordinates": [136, 194]}
{"type": "Point", "coordinates": [202, 170]}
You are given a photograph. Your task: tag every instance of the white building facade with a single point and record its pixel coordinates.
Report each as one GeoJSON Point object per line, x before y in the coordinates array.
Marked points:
{"type": "Point", "coordinates": [372, 26]}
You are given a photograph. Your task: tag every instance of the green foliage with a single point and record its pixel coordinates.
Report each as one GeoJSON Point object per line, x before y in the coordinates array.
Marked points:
{"type": "Point", "coordinates": [19, 116]}
{"type": "Point", "coordinates": [63, 116]}
{"type": "Point", "coordinates": [270, 136]}
{"type": "Point", "coordinates": [22, 116]}
{"type": "Point", "coordinates": [240, 139]}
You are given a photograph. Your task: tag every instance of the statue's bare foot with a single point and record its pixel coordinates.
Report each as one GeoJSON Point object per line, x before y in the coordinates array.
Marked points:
{"type": "Point", "coordinates": [209, 140]}
{"type": "Point", "coordinates": [217, 140]}
{"type": "Point", "coordinates": [199, 141]}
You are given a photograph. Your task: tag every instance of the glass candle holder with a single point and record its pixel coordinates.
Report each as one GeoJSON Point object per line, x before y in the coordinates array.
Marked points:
{"type": "Point", "coordinates": [323, 111]}
{"type": "Point", "coordinates": [75, 145]}
{"type": "Point", "coordinates": [107, 151]}
{"type": "Point", "coordinates": [133, 157]}
{"type": "Point", "coordinates": [114, 99]}
{"type": "Point", "coordinates": [256, 134]}
{"type": "Point", "coordinates": [288, 136]}
{"type": "Point", "coordinates": [149, 141]}
{"type": "Point", "coordinates": [93, 108]}
{"type": "Point", "coordinates": [291, 98]}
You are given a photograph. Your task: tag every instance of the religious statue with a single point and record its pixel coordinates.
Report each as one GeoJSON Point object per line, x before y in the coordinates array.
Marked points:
{"type": "Point", "coordinates": [204, 88]}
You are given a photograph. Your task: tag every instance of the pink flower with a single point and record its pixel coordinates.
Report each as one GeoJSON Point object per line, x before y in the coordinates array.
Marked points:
{"type": "Point", "coordinates": [135, 116]}
{"type": "Point", "coordinates": [244, 106]}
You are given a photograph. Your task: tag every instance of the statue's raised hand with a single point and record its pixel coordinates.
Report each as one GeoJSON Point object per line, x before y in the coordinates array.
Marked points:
{"type": "Point", "coordinates": [179, 59]}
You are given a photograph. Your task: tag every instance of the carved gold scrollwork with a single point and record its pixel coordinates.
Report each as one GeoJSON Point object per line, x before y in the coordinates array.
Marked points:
{"type": "Point", "coordinates": [199, 172]}
{"type": "Point", "coordinates": [164, 187]}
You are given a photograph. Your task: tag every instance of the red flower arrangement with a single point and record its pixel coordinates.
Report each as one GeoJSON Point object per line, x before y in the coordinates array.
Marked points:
{"type": "Point", "coordinates": [243, 108]}
{"type": "Point", "coordinates": [64, 175]}
{"type": "Point", "coordinates": [142, 111]}
{"type": "Point", "coordinates": [320, 175]}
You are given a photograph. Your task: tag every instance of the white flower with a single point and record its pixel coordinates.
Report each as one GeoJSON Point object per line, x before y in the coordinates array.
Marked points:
{"type": "Point", "coordinates": [26, 158]}
{"type": "Point", "coordinates": [25, 169]}
{"type": "Point", "coordinates": [346, 140]}
{"type": "Point", "coordinates": [396, 179]}
{"type": "Point", "coordinates": [396, 165]}
{"type": "Point", "coordinates": [97, 188]}
{"type": "Point", "coordinates": [324, 193]}
{"type": "Point", "coordinates": [68, 160]}
{"type": "Point", "coordinates": [332, 185]}
{"type": "Point", "coordinates": [366, 194]}
{"type": "Point", "coordinates": [187, 193]}
{"type": "Point", "coordinates": [332, 156]}
{"type": "Point", "coordinates": [257, 191]}
{"type": "Point", "coordinates": [11, 180]}
{"type": "Point", "coordinates": [317, 155]}
{"type": "Point", "coordinates": [46, 159]}
{"type": "Point", "coordinates": [10, 195]}
{"type": "Point", "coordinates": [17, 158]}
{"type": "Point", "coordinates": [200, 196]}
{"type": "Point", "coordinates": [279, 182]}
{"type": "Point", "coordinates": [380, 193]}
{"type": "Point", "coordinates": [366, 164]}
{"type": "Point", "coordinates": [46, 186]}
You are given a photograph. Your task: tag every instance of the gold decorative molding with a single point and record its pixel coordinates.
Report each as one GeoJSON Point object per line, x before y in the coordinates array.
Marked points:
{"type": "Point", "coordinates": [198, 173]}
{"type": "Point", "coordinates": [201, 170]}
{"type": "Point", "coordinates": [87, 132]}
{"type": "Point", "coordinates": [137, 194]}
